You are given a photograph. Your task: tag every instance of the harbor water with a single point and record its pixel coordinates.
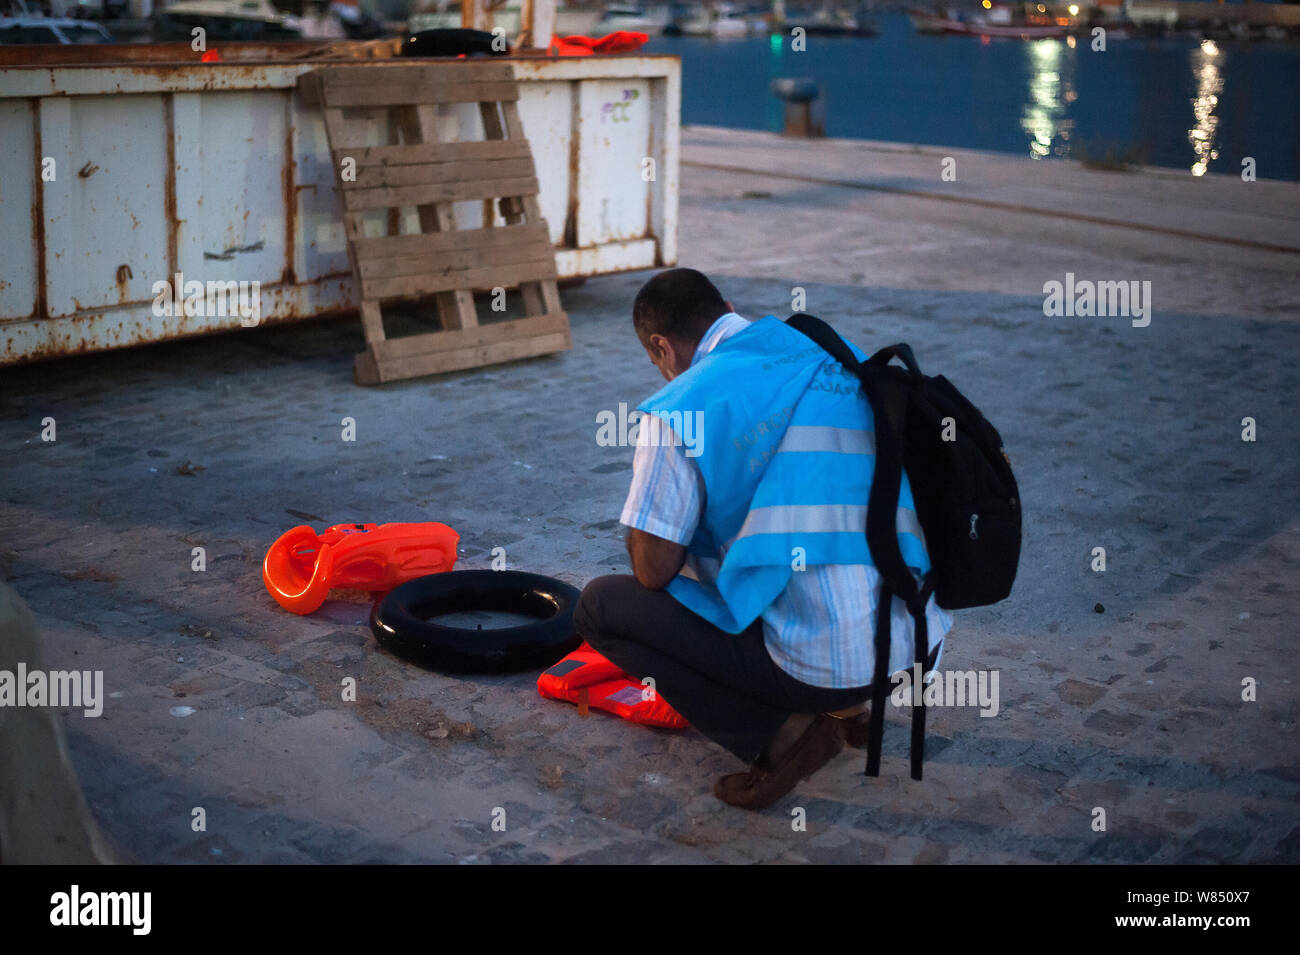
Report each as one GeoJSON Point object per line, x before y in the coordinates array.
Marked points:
{"type": "Point", "coordinates": [1179, 102]}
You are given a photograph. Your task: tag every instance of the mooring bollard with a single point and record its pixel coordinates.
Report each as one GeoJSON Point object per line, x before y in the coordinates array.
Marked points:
{"type": "Point", "coordinates": [805, 107]}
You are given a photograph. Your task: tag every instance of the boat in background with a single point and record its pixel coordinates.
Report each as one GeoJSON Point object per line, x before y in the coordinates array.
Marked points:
{"type": "Point", "coordinates": [722, 20]}
{"type": "Point", "coordinates": [443, 15]}
{"type": "Point", "coordinates": [637, 19]}
{"type": "Point", "coordinates": [830, 20]}
{"type": "Point", "coordinates": [1023, 31]}
{"type": "Point", "coordinates": [928, 23]}
{"type": "Point", "coordinates": [998, 21]}
{"type": "Point", "coordinates": [730, 21]}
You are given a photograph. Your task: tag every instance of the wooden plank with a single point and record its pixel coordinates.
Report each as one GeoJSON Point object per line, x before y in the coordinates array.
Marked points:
{"type": "Point", "coordinates": [340, 133]}
{"type": "Point", "coordinates": [528, 205]}
{"type": "Point", "coordinates": [443, 262]}
{"type": "Point", "coordinates": [526, 38]}
{"type": "Point", "coordinates": [514, 126]}
{"type": "Point", "coordinates": [425, 243]}
{"type": "Point", "coordinates": [506, 276]}
{"type": "Point", "coordinates": [371, 325]}
{"type": "Point", "coordinates": [364, 369]}
{"type": "Point", "coordinates": [309, 89]}
{"type": "Point", "coordinates": [335, 127]}
{"type": "Point", "coordinates": [532, 210]}
{"type": "Point", "coordinates": [425, 74]}
{"type": "Point", "coordinates": [404, 125]}
{"type": "Point", "coordinates": [457, 307]}
{"type": "Point", "coordinates": [394, 130]}
{"type": "Point", "coordinates": [429, 173]}
{"type": "Point", "coordinates": [496, 125]}
{"type": "Point", "coordinates": [515, 129]}
{"type": "Point", "coordinates": [385, 197]}
{"type": "Point", "coordinates": [475, 337]}
{"type": "Point", "coordinates": [372, 322]}
{"type": "Point", "coordinates": [550, 297]}
{"type": "Point", "coordinates": [413, 154]}
{"type": "Point", "coordinates": [473, 357]}
{"type": "Point", "coordinates": [493, 128]}
{"type": "Point", "coordinates": [405, 93]}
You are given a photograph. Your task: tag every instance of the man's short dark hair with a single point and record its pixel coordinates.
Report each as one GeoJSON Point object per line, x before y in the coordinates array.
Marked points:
{"type": "Point", "coordinates": [679, 304]}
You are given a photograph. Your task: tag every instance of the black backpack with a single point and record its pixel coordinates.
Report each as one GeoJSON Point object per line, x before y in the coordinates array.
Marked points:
{"type": "Point", "coordinates": [966, 500]}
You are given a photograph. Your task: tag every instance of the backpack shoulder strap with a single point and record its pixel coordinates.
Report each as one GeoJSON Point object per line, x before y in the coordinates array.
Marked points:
{"type": "Point", "coordinates": [887, 391]}
{"type": "Point", "coordinates": [827, 337]}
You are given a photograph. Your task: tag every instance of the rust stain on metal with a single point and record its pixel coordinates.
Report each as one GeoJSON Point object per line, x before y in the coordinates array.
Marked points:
{"type": "Point", "coordinates": [88, 170]}
{"type": "Point", "coordinates": [649, 232]}
{"type": "Point", "coordinates": [290, 195]}
{"type": "Point", "coordinates": [124, 277]}
{"type": "Point", "coordinates": [575, 135]}
{"type": "Point", "coordinates": [76, 334]}
{"type": "Point", "coordinates": [169, 188]}
{"type": "Point", "coordinates": [41, 309]}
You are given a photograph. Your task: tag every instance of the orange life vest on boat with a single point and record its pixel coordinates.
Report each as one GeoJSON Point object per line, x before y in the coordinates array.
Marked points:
{"type": "Point", "coordinates": [620, 41]}
{"type": "Point", "coordinates": [586, 677]}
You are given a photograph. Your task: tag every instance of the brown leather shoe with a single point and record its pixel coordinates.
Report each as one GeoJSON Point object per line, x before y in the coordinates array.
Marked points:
{"type": "Point", "coordinates": [856, 730]}
{"type": "Point", "coordinates": [857, 724]}
{"type": "Point", "coordinates": [764, 784]}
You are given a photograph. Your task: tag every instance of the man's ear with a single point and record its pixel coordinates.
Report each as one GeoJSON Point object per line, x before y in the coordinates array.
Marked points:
{"type": "Point", "coordinates": [661, 347]}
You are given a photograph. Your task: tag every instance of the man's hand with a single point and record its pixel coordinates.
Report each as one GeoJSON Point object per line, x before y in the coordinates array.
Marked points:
{"type": "Point", "coordinates": [655, 561]}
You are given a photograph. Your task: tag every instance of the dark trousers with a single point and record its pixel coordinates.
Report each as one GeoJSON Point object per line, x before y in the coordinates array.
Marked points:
{"type": "Point", "coordinates": [724, 684]}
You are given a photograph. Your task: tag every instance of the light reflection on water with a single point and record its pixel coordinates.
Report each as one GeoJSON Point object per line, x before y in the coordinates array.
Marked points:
{"type": "Point", "coordinates": [1046, 114]}
{"type": "Point", "coordinates": [1209, 84]}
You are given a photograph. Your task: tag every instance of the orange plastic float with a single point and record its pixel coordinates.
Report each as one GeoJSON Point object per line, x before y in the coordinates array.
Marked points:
{"type": "Point", "coordinates": [620, 41]}
{"type": "Point", "coordinates": [586, 677]}
{"type": "Point", "coordinates": [302, 566]}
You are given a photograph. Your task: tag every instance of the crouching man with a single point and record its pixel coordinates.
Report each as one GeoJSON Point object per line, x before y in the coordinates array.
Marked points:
{"type": "Point", "coordinates": [752, 601]}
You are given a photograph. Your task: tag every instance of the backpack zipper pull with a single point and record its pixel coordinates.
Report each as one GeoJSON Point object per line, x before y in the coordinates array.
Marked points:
{"type": "Point", "coordinates": [974, 534]}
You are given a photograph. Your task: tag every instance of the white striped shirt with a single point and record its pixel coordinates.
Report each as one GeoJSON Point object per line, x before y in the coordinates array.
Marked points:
{"type": "Point", "coordinates": [820, 630]}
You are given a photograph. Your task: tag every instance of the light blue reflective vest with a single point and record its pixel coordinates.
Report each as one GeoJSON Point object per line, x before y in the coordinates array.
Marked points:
{"type": "Point", "coordinates": [786, 450]}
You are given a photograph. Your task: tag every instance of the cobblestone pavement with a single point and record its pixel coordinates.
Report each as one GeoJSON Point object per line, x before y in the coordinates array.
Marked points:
{"type": "Point", "coordinates": [1120, 690]}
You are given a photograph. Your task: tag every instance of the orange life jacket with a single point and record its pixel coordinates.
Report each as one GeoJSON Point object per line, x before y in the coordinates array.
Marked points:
{"type": "Point", "coordinates": [587, 678]}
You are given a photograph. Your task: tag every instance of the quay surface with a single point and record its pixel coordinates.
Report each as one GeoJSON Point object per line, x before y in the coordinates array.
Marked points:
{"type": "Point", "coordinates": [1119, 690]}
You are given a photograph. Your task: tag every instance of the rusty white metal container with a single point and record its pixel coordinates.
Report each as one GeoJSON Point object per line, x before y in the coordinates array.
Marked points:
{"type": "Point", "coordinates": [136, 164]}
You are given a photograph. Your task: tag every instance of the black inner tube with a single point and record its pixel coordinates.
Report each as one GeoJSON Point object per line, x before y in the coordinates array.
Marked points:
{"type": "Point", "coordinates": [405, 622]}
{"type": "Point", "coordinates": [530, 603]}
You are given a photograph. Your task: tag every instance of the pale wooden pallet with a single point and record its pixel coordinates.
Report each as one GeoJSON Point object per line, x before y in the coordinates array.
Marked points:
{"type": "Point", "coordinates": [418, 169]}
